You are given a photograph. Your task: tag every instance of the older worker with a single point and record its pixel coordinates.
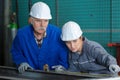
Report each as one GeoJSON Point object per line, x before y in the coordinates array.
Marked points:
{"type": "Point", "coordinates": [39, 43]}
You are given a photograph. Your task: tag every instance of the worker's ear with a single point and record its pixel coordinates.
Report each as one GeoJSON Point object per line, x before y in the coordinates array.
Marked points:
{"type": "Point", "coordinates": [30, 20]}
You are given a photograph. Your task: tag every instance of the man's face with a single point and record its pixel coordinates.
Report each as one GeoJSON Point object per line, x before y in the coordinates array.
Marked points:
{"type": "Point", "coordinates": [40, 25]}
{"type": "Point", "coordinates": [75, 45]}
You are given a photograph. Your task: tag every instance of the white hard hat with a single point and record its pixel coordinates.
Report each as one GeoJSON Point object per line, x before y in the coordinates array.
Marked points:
{"type": "Point", "coordinates": [40, 10]}
{"type": "Point", "coordinates": [71, 31]}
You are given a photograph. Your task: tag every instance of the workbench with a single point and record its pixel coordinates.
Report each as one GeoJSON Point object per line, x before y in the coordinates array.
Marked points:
{"type": "Point", "coordinates": [10, 73]}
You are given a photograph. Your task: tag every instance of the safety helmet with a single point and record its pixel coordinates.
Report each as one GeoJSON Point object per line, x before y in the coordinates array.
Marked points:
{"type": "Point", "coordinates": [40, 10]}
{"type": "Point", "coordinates": [71, 31]}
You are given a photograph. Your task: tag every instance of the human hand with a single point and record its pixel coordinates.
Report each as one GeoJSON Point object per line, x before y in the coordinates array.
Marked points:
{"type": "Point", "coordinates": [58, 68]}
{"type": "Point", "coordinates": [114, 68]}
{"type": "Point", "coordinates": [24, 66]}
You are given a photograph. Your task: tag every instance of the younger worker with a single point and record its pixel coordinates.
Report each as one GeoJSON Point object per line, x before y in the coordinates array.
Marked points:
{"type": "Point", "coordinates": [85, 55]}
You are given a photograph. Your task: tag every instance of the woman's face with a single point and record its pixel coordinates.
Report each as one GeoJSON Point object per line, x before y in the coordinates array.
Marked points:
{"type": "Point", "coordinates": [75, 45]}
{"type": "Point", "coordinates": [40, 25]}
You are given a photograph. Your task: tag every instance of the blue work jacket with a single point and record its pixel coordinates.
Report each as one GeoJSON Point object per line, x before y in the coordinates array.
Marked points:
{"type": "Point", "coordinates": [52, 51]}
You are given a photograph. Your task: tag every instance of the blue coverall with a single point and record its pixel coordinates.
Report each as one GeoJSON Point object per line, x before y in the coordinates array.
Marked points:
{"type": "Point", "coordinates": [93, 59]}
{"type": "Point", "coordinates": [52, 52]}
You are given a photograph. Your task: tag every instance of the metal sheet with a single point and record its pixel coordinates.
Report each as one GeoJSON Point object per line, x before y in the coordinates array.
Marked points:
{"type": "Point", "coordinates": [12, 73]}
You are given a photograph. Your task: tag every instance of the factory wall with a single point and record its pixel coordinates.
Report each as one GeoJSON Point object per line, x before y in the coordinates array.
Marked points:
{"type": "Point", "coordinates": [99, 19]}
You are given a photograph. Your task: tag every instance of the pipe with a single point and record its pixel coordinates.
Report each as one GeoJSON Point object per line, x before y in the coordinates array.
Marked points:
{"type": "Point", "coordinates": [7, 44]}
{"type": "Point", "coordinates": [56, 7]}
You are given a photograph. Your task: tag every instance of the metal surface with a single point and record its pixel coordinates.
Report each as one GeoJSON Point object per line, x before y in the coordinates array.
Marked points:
{"type": "Point", "coordinates": [12, 73]}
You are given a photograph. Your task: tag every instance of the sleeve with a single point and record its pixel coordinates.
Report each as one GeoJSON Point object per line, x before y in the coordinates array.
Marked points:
{"type": "Point", "coordinates": [102, 56]}
{"type": "Point", "coordinates": [63, 56]}
{"type": "Point", "coordinates": [72, 67]}
{"type": "Point", "coordinates": [63, 51]}
{"type": "Point", "coordinates": [16, 50]}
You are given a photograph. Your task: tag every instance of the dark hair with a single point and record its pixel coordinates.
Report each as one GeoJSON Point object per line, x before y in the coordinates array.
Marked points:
{"type": "Point", "coordinates": [83, 38]}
